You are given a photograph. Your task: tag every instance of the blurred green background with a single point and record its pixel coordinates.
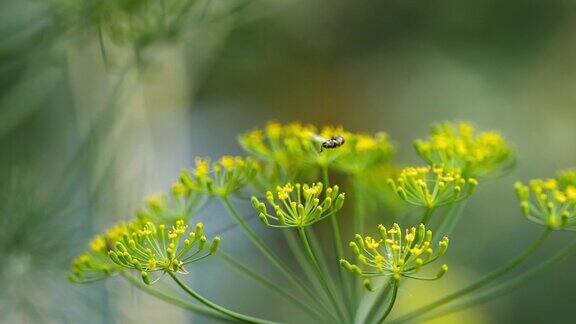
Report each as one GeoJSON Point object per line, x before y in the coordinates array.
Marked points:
{"type": "Point", "coordinates": [95, 116]}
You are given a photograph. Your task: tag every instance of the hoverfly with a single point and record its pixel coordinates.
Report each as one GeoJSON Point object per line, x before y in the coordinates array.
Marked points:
{"type": "Point", "coordinates": [333, 142]}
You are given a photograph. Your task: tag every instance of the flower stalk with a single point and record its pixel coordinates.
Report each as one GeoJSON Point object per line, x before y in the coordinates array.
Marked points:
{"type": "Point", "coordinates": [269, 254]}
{"type": "Point", "coordinates": [240, 317]}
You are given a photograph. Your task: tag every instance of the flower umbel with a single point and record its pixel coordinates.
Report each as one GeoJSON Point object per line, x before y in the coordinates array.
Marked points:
{"type": "Point", "coordinates": [155, 248]}
{"type": "Point", "coordinates": [363, 153]}
{"type": "Point", "coordinates": [224, 177]}
{"type": "Point", "coordinates": [432, 186]}
{"type": "Point", "coordinates": [550, 202]}
{"type": "Point", "coordinates": [299, 205]}
{"type": "Point", "coordinates": [296, 147]}
{"type": "Point", "coordinates": [181, 203]}
{"type": "Point", "coordinates": [90, 267]}
{"type": "Point", "coordinates": [566, 178]}
{"type": "Point", "coordinates": [285, 145]}
{"type": "Point", "coordinates": [396, 255]}
{"type": "Point", "coordinates": [94, 264]}
{"type": "Point", "coordinates": [458, 146]}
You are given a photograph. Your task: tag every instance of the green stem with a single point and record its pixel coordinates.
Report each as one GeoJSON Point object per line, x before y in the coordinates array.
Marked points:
{"type": "Point", "coordinates": [392, 301]}
{"type": "Point", "coordinates": [102, 47]}
{"type": "Point", "coordinates": [241, 317]}
{"type": "Point", "coordinates": [344, 278]}
{"type": "Point", "coordinates": [321, 277]}
{"type": "Point", "coordinates": [324, 266]}
{"type": "Point", "coordinates": [360, 207]}
{"type": "Point", "coordinates": [301, 257]}
{"type": "Point", "coordinates": [266, 283]}
{"type": "Point", "coordinates": [308, 268]}
{"type": "Point", "coordinates": [283, 269]}
{"type": "Point", "coordinates": [377, 302]}
{"type": "Point", "coordinates": [509, 285]}
{"type": "Point", "coordinates": [317, 248]}
{"type": "Point", "coordinates": [199, 309]}
{"type": "Point", "coordinates": [427, 215]}
{"type": "Point", "coordinates": [359, 223]}
{"type": "Point", "coordinates": [449, 222]}
{"type": "Point", "coordinates": [478, 284]}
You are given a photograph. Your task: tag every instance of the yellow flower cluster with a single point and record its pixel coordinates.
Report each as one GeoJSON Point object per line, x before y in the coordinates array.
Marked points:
{"type": "Point", "coordinates": [566, 178]}
{"type": "Point", "coordinates": [224, 177]}
{"type": "Point", "coordinates": [299, 205]}
{"type": "Point", "coordinates": [296, 146]}
{"type": "Point", "coordinates": [95, 264]}
{"type": "Point", "coordinates": [396, 255]}
{"type": "Point", "coordinates": [180, 203]}
{"type": "Point", "coordinates": [550, 202]}
{"type": "Point", "coordinates": [287, 145]}
{"type": "Point", "coordinates": [128, 244]}
{"type": "Point", "coordinates": [363, 153]}
{"type": "Point", "coordinates": [458, 146]}
{"type": "Point", "coordinates": [158, 248]}
{"type": "Point", "coordinates": [432, 187]}
{"type": "Point", "coordinates": [90, 267]}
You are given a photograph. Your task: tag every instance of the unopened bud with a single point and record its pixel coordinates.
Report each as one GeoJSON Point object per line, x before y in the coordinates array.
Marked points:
{"type": "Point", "coordinates": [215, 245]}
{"type": "Point", "coordinates": [368, 285]}
{"type": "Point", "coordinates": [146, 277]}
{"type": "Point", "coordinates": [443, 270]}
{"type": "Point", "coordinates": [443, 246]}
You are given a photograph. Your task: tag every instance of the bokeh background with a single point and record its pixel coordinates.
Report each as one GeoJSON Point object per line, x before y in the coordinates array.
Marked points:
{"type": "Point", "coordinates": [93, 119]}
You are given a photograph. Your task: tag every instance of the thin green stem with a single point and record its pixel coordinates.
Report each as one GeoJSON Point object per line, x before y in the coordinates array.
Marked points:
{"type": "Point", "coordinates": [241, 317]}
{"type": "Point", "coordinates": [359, 223]}
{"type": "Point", "coordinates": [266, 283]}
{"type": "Point", "coordinates": [480, 283]}
{"type": "Point", "coordinates": [199, 309]}
{"type": "Point", "coordinates": [321, 277]}
{"type": "Point", "coordinates": [377, 302]}
{"type": "Point", "coordinates": [508, 286]}
{"type": "Point", "coordinates": [449, 222]}
{"type": "Point", "coordinates": [300, 256]}
{"type": "Point", "coordinates": [308, 269]}
{"type": "Point", "coordinates": [324, 266]}
{"type": "Point", "coordinates": [344, 279]}
{"type": "Point", "coordinates": [102, 47]}
{"type": "Point", "coordinates": [392, 301]}
{"type": "Point", "coordinates": [359, 207]}
{"type": "Point", "coordinates": [283, 269]}
{"type": "Point", "coordinates": [317, 248]}
{"type": "Point", "coordinates": [427, 215]}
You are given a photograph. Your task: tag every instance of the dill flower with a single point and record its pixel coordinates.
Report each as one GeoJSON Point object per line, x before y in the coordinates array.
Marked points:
{"type": "Point", "coordinates": [222, 178]}
{"type": "Point", "coordinates": [395, 255]}
{"type": "Point", "coordinates": [550, 202]}
{"type": "Point", "coordinates": [90, 267]}
{"type": "Point", "coordinates": [566, 178]}
{"type": "Point", "coordinates": [276, 142]}
{"type": "Point", "coordinates": [297, 147]}
{"type": "Point", "coordinates": [291, 146]}
{"type": "Point", "coordinates": [299, 205]}
{"type": "Point", "coordinates": [180, 203]}
{"type": "Point", "coordinates": [94, 264]}
{"type": "Point", "coordinates": [432, 186]}
{"type": "Point", "coordinates": [362, 153]}
{"type": "Point", "coordinates": [459, 146]}
{"type": "Point", "coordinates": [155, 248]}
